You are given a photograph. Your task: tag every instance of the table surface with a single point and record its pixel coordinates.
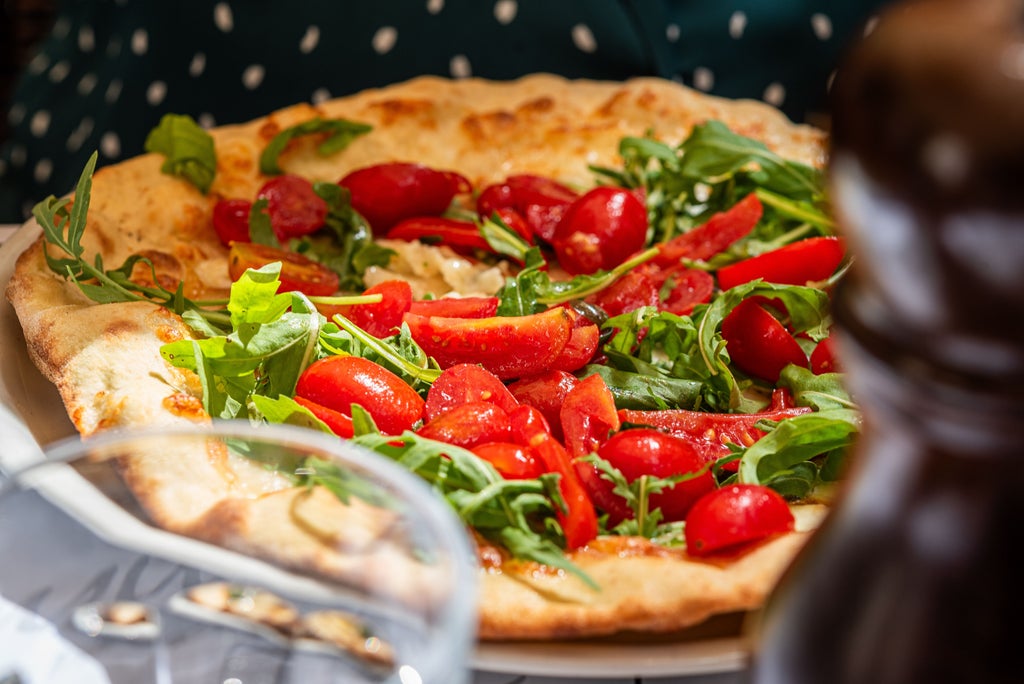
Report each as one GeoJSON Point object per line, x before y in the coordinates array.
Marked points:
{"type": "Point", "coordinates": [98, 561]}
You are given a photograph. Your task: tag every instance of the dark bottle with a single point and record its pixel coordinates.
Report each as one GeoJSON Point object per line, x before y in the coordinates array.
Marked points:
{"type": "Point", "coordinates": [918, 575]}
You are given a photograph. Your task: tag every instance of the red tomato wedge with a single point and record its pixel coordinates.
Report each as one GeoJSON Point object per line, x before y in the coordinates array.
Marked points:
{"type": "Point", "coordinates": [734, 516]}
{"type": "Point", "coordinates": [714, 236]}
{"type": "Point", "coordinates": [758, 343]}
{"type": "Point", "coordinates": [456, 307]}
{"type": "Point", "coordinates": [540, 201]}
{"type": "Point", "coordinates": [337, 382]}
{"type": "Point", "coordinates": [298, 274]}
{"type": "Point", "coordinates": [469, 424]}
{"type": "Point", "coordinates": [581, 347]}
{"type": "Point", "coordinates": [546, 392]}
{"type": "Point", "coordinates": [338, 422]}
{"type": "Point", "coordinates": [383, 318]}
{"type": "Point", "coordinates": [464, 383]}
{"type": "Point", "coordinates": [628, 293]}
{"type": "Point", "coordinates": [435, 230]}
{"type": "Point", "coordinates": [293, 206]}
{"type": "Point", "coordinates": [512, 461]}
{"type": "Point", "coordinates": [387, 193]}
{"type": "Point", "coordinates": [588, 416]}
{"type": "Point", "coordinates": [579, 520]}
{"type": "Point", "coordinates": [823, 357]}
{"type": "Point", "coordinates": [508, 346]}
{"type": "Point", "coordinates": [231, 220]}
{"type": "Point", "coordinates": [690, 287]}
{"type": "Point", "coordinates": [803, 262]}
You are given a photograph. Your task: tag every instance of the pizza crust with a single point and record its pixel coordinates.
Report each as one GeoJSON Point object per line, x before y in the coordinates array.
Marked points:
{"type": "Point", "coordinates": [105, 361]}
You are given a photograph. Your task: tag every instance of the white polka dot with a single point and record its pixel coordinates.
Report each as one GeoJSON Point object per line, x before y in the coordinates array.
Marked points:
{"type": "Point", "coordinates": [198, 65]}
{"type": "Point", "coordinates": [59, 71]}
{"type": "Point", "coordinates": [822, 26]}
{"type": "Point", "coordinates": [114, 47]}
{"type": "Point", "coordinates": [86, 39]}
{"type": "Point", "coordinates": [435, 6]}
{"type": "Point", "coordinates": [505, 11]}
{"type": "Point", "coordinates": [18, 156]}
{"type": "Point", "coordinates": [775, 94]}
{"type": "Point", "coordinates": [39, 64]}
{"type": "Point", "coordinates": [206, 120]}
{"type": "Point", "coordinates": [140, 41]}
{"type": "Point", "coordinates": [110, 145]}
{"type": "Point", "coordinates": [253, 75]}
{"type": "Point", "coordinates": [16, 114]}
{"type": "Point", "coordinates": [113, 91]}
{"type": "Point", "coordinates": [583, 38]}
{"type": "Point", "coordinates": [80, 134]}
{"type": "Point", "coordinates": [222, 17]}
{"type": "Point", "coordinates": [384, 39]}
{"type": "Point", "coordinates": [672, 32]}
{"type": "Point", "coordinates": [39, 123]}
{"type": "Point", "coordinates": [320, 95]}
{"type": "Point", "coordinates": [460, 67]}
{"type": "Point", "coordinates": [737, 24]}
{"type": "Point", "coordinates": [61, 28]}
{"type": "Point", "coordinates": [43, 170]}
{"type": "Point", "coordinates": [310, 40]}
{"type": "Point", "coordinates": [703, 78]}
{"type": "Point", "coordinates": [156, 92]}
{"type": "Point", "coordinates": [87, 84]}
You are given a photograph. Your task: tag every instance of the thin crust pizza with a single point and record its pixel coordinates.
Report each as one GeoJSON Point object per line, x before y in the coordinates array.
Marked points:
{"type": "Point", "coordinates": [630, 379]}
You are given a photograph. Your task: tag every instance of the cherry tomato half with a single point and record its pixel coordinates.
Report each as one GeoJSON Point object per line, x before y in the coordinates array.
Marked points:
{"type": "Point", "coordinates": [293, 206]}
{"type": "Point", "coordinates": [337, 382]}
{"type": "Point", "coordinates": [758, 343]}
{"type": "Point", "coordinates": [462, 236]}
{"type": "Point", "coordinates": [630, 292]}
{"type": "Point", "coordinates": [600, 230]}
{"type": "Point", "coordinates": [733, 516]}
{"type": "Point", "coordinates": [823, 357]}
{"type": "Point", "coordinates": [464, 383]}
{"type": "Point", "coordinates": [298, 274]}
{"type": "Point", "coordinates": [513, 461]}
{"type": "Point", "coordinates": [384, 318]}
{"type": "Point", "coordinates": [387, 193]}
{"type": "Point", "coordinates": [643, 451]}
{"type": "Point", "coordinates": [546, 392]}
{"type": "Point", "coordinates": [540, 201]}
{"type": "Point", "coordinates": [338, 422]}
{"type": "Point", "coordinates": [231, 220]}
{"type": "Point", "coordinates": [468, 425]}
{"type": "Point", "coordinates": [456, 307]}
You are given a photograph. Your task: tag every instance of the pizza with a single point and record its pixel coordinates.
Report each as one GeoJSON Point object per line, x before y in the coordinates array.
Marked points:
{"type": "Point", "coordinates": [607, 300]}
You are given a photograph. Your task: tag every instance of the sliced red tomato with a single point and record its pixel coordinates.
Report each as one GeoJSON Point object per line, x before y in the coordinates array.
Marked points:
{"type": "Point", "coordinates": [338, 422]}
{"type": "Point", "coordinates": [231, 220]}
{"type": "Point", "coordinates": [758, 343]}
{"type": "Point", "coordinates": [823, 357]}
{"type": "Point", "coordinates": [469, 424]}
{"type": "Point", "coordinates": [435, 230]}
{"type": "Point", "coordinates": [464, 383]}
{"type": "Point", "coordinates": [714, 236]}
{"type": "Point", "coordinates": [546, 392]}
{"type": "Point", "coordinates": [690, 287]}
{"type": "Point", "coordinates": [508, 346]}
{"type": "Point", "coordinates": [628, 293]}
{"type": "Point", "coordinates": [579, 520]}
{"type": "Point", "coordinates": [513, 461]}
{"type": "Point", "coordinates": [293, 206]}
{"type": "Point", "coordinates": [582, 344]}
{"type": "Point", "coordinates": [799, 263]}
{"type": "Point", "coordinates": [600, 230]}
{"type": "Point", "coordinates": [727, 519]}
{"type": "Point", "coordinates": [456, 307]}
{"type": "Point", "coordinates": [383, 318]}
{"type": "Point", "coordinates": [710, 433]}
{"type": "Point", "coordinates": [298, 274]}
{"type": "Point", "coordinates": [588, 416]}
{"type": "Point", "coordinates": [644, 451]}
{"type": "Point", "coordinates": [387, 193]}
{"type": "Point", "coordinates": [540, 201]}
{"type": "Point", "coordinates": [337, 382]}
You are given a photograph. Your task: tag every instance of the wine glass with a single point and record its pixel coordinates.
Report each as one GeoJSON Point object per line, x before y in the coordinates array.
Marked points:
{"type": "Point", "coordinates": [309, 559]}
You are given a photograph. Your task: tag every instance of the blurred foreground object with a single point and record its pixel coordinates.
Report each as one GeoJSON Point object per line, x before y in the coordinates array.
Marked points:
{"type": "Point", "coordinates": [915, 577]}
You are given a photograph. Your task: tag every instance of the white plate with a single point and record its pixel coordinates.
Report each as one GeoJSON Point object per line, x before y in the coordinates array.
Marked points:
{"type": "Point", "coordinates": [714, 647]}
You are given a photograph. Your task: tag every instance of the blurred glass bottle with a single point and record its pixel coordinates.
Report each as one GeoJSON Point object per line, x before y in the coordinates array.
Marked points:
{"type": "Point", "coordinates": [917, 575]}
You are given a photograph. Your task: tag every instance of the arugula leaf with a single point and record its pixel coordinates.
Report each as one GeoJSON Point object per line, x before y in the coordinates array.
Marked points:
{"type": "Point", "coordinates": [340, 133]}
{"type": "Point", "coordinates": [821, 392]}
{"type": "Point", "coordinates": [188, 150]}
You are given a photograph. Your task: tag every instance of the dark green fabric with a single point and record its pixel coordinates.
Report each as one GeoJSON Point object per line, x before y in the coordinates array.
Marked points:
{"type": "Point", "coordinates": [112, 68]}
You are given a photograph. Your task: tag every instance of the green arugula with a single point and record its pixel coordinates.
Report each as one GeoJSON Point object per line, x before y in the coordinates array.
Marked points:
{"type": "Point", "coordinates": [339, 134]}
{"type": "Point", "coordinates": [187, 148]}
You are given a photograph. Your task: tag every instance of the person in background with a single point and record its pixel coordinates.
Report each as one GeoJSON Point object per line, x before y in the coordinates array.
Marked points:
{"type": "Point", "coordinates": [109, 69]}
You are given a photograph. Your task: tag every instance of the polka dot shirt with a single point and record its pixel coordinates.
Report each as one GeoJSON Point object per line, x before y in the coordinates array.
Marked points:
{"type": "Point", "coordinates": [111, 68]}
